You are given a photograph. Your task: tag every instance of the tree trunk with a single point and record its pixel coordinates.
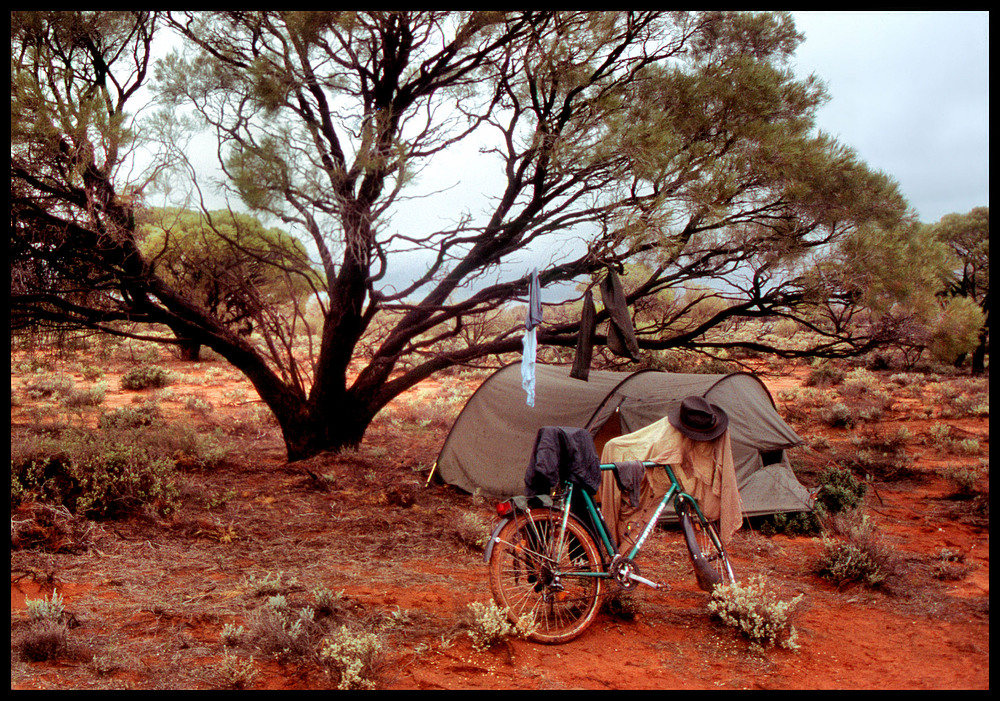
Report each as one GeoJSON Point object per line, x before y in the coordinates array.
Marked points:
{"type": "Point", "coordinates": [189, 350]}
{"type": "Point", "coordinates": [313, 429]}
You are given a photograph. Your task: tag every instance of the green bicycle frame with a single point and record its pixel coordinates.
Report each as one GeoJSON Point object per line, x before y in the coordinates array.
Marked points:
{"type": "Point", "coordinates": [674, 493]}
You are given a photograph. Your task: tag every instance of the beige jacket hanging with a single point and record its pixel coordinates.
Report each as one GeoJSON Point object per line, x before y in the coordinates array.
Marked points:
{"type": "Point", "coordinates": [710, 478]}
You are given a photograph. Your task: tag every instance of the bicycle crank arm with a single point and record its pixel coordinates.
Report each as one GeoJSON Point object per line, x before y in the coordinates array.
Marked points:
{"type": "Point", "coordinates": [642, 580]}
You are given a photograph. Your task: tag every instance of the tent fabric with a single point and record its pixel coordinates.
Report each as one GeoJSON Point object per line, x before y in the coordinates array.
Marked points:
{"type": "Point", "coordinates": [490, 444]}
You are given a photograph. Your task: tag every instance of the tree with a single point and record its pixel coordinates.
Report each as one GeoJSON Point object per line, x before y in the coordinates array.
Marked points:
{"type": "Point", "coordinates": [247, 276]}
{"type": "Point", "coordinates": [681, 141]}
{"type": "Point", "coordinates": [968, 238]}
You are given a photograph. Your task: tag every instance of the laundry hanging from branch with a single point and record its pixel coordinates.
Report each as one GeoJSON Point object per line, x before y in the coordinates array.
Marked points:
{"type": "Point", "coordinates": [533, 318]}
{"type": "Point", "coordinates": [621, 333]}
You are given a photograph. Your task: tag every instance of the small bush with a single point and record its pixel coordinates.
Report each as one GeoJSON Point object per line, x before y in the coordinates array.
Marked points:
{"type": "Point", "coordinates": [488, 625]}
{"type": "Point", "coordinates": [130, 417]}
{"type": "Point", "coordinates": [236, 673]}
{"type": "Point", "coordinates": [146, 376]}
{"type": "Point", "coordinates": [861, 558]}
{"type": "Point", "coordinates": [94, 475]}
{"type": "Point", "coordinates": [840, 490]}
{"type": "Point", "coordinates": [43, 641]}
{"type": "Point", "coordinates": [86, 397]}
{"type": "Point", "coordinates": [49, 385]}
{"type": "Point", "coordinates": [354, 655]}
{"type": "Point", "coordinates": [824, 375]}
{"type": "Point", "coordinates": [47, 635]}
{"type": "Point", "coordinates": [803, 523]}
{"type": "Point", "coordinates": [756, 611]}
{"type": "Point", "coordinates": [472, 531]}
{"type": "Point", "coordinates": [49, 608]}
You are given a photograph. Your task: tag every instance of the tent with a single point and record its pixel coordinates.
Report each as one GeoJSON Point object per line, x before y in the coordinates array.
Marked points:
{"type": "Point", "coordinates": [488, 447]}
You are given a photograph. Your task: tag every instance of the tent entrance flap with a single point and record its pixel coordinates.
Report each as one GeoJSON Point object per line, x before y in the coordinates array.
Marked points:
{"type": "Point", "coordinates": [489, 447]}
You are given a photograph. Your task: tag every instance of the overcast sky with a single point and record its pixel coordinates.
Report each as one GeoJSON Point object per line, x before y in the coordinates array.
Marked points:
{"type": "Point", "coordinates": [910, 93]}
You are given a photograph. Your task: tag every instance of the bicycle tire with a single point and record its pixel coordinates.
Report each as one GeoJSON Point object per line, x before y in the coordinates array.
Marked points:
{"type": "Point", "coordinates": [709, 558]}
{"type": "Point", "coordinates": [521, 575]}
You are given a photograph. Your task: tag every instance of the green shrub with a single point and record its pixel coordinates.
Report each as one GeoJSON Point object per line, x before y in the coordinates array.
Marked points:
{"type": "Point", "coordinates": [93, 474]}
{"type": "Point", "coordinates": [49, 385]}
{"type": "Point", "coordinates": [840, 490]}
{"type": "Point", "coordinates": [862, 557]}
{"type": "Point", "coordinates": [354, 655]}
{"type": "Point", "coordinates": [236, 673]}
{"type": "Point", "coordinates": [488, 625]}
{"type": "Point", "coordinates": [824, 375]}
{"type": "Point", "coordinates": [802, 523]}
{"type": "Point", "coordinates": [130, 417]}
{"type": "Point", "coordinates": [756, 611]}
{"type": "Point", "coordinates": [86, 397]}
{"type": "Point", "coordinates": [146, 376]}
{"type": "Point", "coordinates": [47, 635]}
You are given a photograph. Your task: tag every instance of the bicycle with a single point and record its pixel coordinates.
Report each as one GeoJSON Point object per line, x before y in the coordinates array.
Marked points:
{"type": "Point", "coordinates": [550, 559]}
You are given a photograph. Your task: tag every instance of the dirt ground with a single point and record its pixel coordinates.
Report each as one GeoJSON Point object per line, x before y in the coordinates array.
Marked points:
{"type": "Point", "coordinates": [149, 598]}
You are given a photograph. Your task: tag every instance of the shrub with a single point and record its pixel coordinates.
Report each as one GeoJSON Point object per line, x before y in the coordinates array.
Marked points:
{"type": "Point", "coordinates": [46, 385]}
{"type": "Point", "coordinates": [808, 523]}
{"type": "Point", "coordinates": [95, 475]}
{"type": "Point", "coordinates": [824, 375]}
{"type": "Point", "coordinates": [472, 531]}
{"type": "Point", "coordinates": [354, 655]}
{"type": "Point", "coordinates": [277, 630]}
{"type": "Point", "coordinates": [840, 490]}
{"type": "Point", "coordinates": [236, 673]}
{"type": "Point", "coordinates": [130, 417]}
{"type": "Point", "coordinates": [862, 557]}
{"type": "Point", "coordinates": [146, 376]}
{"type": "Point", "coordinates": [49, 608]}
{"type": "Point", "coordinates": [46, 637]}
{"type": "Point", "coordinates": [488, 625]}
{"type": "Point", "coordinates": [85, 397]}
{"type": "Point", "coordinates": [838, 415]}
{"type": "Point", "coordinates": [756, 611]}
{"type": "Point", "coordinates": [43, 641]}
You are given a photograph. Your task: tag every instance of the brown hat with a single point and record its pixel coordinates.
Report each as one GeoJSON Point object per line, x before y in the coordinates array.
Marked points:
{"type": "Point", "coordinates": [698, 420]}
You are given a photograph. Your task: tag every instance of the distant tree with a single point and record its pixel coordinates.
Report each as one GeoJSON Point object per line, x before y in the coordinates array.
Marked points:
{"type": "Point", "coordinates": [681, 141]}
{"type": "Point", "coordinates": [968, 238]}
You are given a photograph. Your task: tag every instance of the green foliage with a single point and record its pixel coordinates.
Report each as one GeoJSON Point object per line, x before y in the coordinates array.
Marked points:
{"type": "Point", "coordinates": [824, 375]}
{"type": "Point", "coordinates": [236, 673]}
{"type": "Point", "coordinates": [755, 610]}
{"type": "Point", "coordinates": [48, 608]}
{"type": "Point", "coordinates": [861, 557]}
{"type": "Point", "coordinates": [802, 523]}
{"type": "Point", "coordinates": [129, 464]}
{"type": "Point", "coordinates": [679, 141]}
{"type": "Point", "coordinates": [354, 655]}
{"type": "Point", "coordinates": [489, 626]}
{"type": "Point", "coordinates": [47, 635]}
{"type": "Point", "coordinates": [146, 376]}
{"type": "Point", "coordinates": [840, 490]}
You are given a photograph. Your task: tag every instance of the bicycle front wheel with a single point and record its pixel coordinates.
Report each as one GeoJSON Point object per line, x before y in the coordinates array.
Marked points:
{"type": "Point", "coordinates": [552, 582]}
{"type": "Point", "coordinates": [711, 563]}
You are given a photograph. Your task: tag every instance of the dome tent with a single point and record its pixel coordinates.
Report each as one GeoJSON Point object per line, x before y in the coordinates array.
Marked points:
{"type": "Point", "coordinates": [490, 443]}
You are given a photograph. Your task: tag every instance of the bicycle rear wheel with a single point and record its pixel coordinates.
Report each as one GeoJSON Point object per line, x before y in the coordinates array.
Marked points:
{"type": "Point", "coordinates": [531, 576]}
{"type": "Point", "coordinates": [708, 555]}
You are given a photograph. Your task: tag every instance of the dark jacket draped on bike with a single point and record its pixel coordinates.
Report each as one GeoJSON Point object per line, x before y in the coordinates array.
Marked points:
{"type": "Point", "coordinates": [562, 453]}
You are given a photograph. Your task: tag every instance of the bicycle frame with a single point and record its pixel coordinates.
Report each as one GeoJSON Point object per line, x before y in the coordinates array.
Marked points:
{"type": "Point", "coordinates": [600, 529]}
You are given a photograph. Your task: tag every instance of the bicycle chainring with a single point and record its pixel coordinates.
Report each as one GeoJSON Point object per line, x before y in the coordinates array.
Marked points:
{"type": "Point", "coordinates": [621, 569]}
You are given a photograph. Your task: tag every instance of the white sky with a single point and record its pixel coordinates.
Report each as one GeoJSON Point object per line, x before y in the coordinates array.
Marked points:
{"type": "Point", "coordinates": [910, 93]}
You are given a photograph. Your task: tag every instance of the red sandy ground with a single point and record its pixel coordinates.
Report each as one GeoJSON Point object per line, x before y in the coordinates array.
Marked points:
{"type": "Point", "coordinates": [928, 633]}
